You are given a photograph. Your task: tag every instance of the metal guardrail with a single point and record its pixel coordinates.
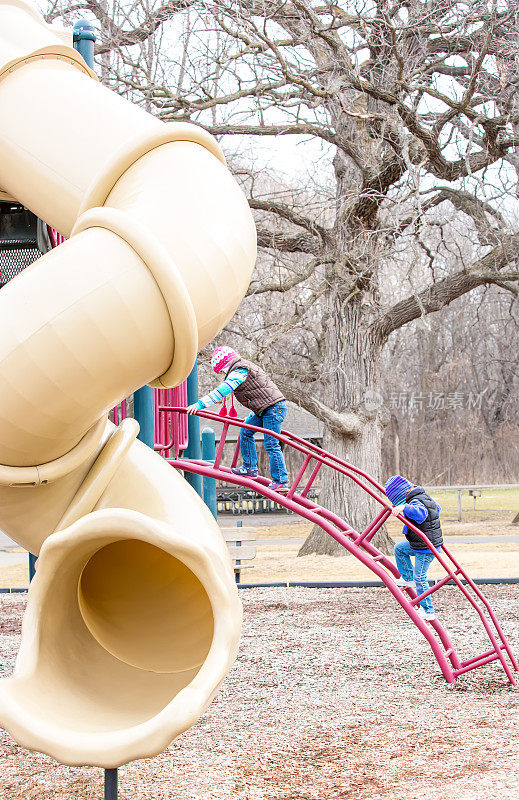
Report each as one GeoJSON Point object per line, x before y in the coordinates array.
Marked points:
{"type": "Point", "coordinates": [474, 490]}
{"type": "Point", "coordinates": [468, 486]}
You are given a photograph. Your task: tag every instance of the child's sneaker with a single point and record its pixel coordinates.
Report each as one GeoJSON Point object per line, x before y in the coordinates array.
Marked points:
{"type": "Point", "coordinates": [403, 583]}
{"type": "Point", "coordinates": [249, 473]}
{"type": "Point", "coordinates": [426, 615]}
{"type": "Point", "coordinates": [275, 486]}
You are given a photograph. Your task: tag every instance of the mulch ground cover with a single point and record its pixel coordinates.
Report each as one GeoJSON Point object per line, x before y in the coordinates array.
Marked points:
{"type": "Point", "coordinates": [335, 694]}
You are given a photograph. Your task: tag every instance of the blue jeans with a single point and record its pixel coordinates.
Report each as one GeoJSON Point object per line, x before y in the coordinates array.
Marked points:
{"type": "Point", "coordinates": [418, 573]}
{"type": "Point", "coordinates": [271, 419]}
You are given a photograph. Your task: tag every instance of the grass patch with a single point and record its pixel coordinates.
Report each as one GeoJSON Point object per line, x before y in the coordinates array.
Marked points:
{"type": "Point", "coordinates": [491, 500]}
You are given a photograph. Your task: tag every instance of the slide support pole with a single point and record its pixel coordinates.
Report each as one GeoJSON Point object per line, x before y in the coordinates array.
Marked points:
{"type": "Point", "coordinates": [143, 413]}
{"type": "Point", "coordinates": [193, 446]}
{"type": "Point", "coordinates": [83, 40]}
{"type": "Point", "coordinates": [209, 454]}
{"type": "Point", "coordinates": [111, 784]}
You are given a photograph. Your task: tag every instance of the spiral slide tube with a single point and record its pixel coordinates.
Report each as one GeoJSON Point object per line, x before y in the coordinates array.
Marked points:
{"type": "Point", "coordinates": [133, 618]}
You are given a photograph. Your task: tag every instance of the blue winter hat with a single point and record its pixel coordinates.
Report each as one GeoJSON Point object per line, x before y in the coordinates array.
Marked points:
{"type": "Point", "coordinates": [397, 488]}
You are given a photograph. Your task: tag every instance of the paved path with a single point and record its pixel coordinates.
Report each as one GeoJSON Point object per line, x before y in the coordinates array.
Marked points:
{"type": "Point", "coordinates": [6, 542]}
{"type": "Point", "coordinates": [451, 540]}
{"type": "Point", "coordinates": [8, 559]}
{"type": "Point", "coordinates": [482, 539]}
{"type": "Point", "coordinates": [279, 542]}
{"type": "Point", "coordinates": [258, 520]}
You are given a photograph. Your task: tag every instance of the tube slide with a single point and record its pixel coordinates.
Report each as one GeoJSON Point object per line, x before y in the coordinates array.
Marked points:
{"type": "Point", "coordinates": [133, 618]}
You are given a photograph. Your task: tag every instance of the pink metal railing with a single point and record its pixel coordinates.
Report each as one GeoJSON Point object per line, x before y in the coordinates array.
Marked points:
{"type": "Point", "coordinates": [360, 545]}
{"type": "Point", "coordinates": [170, 429]}
{"type": "Point", "coordinates": [55, 237]}
{"type": "Point", "coordinates": [120, 412]}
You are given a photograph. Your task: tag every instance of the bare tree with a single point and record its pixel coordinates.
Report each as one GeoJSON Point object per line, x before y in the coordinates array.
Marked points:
{"type": "Point", "coordinates": [416, 106]}
{"type": "Point", "coordinates": [453, 392]}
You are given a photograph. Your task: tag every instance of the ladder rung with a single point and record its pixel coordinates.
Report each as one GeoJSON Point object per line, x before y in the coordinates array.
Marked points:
{"type": "Point", "coordinates": [434, 588]}
{"type": "Point", "coordinates": [482, 656]}
{"type": "Point", "coordinates": [297, 479]}
{"type": "Point", "coordinates": [476, 664]}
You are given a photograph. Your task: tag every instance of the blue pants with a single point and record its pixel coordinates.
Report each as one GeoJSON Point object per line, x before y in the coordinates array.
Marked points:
{"type": "Point", "coordinates": [271, 419]}
{"type": "Point", "coordinates": [418, 573]}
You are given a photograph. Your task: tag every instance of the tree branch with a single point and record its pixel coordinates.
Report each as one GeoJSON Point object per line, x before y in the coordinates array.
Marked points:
{"type": "Point", "coordinates": [468, 203]}
{"type": "Point", "coordinates": [346, 423]}
{"type": "Point", "coordinates": [290, 214]}
{"type": "Point", "coordinates": [327, 134]}
{"type": "Point", "coordinates": [258, 288]}
{"type": "Point", "coordinates": [440, 294]}
{"type": "Point", "coordinates": [121, 38]}
{"type": "Point", "coordinates": [289, 242]}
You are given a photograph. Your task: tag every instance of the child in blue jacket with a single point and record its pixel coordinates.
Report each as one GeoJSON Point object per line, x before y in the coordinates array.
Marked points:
{"type": "Point", "coordinates": [416, 505]}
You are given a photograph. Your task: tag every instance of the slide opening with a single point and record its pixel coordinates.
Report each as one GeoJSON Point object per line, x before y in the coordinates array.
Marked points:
{"type": "Point", "coordinates": [146, 607]}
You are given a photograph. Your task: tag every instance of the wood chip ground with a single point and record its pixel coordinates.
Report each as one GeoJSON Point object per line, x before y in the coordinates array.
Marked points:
{"type": "Point", "coordinates": [334, 695]}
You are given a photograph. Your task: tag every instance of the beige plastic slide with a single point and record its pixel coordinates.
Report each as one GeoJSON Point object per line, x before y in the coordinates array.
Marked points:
{"type": "Point", "coordinates": [133, 619]}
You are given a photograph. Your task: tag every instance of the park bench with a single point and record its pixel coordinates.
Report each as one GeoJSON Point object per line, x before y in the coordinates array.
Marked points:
{"type": "Point", "coordinates": [241, 543]}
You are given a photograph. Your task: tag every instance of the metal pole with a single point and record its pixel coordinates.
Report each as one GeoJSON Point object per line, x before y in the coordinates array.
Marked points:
{"type": "Point", "coordinates": [111, 784]}
{"type": "Point", "coordinates": [459, 505]}
{"type": "Point", "coordinates": [32, 566]}
{"type": "Point", "coordinates": [209, 484]}
{"type": "Point", "coordinates": [143, 413]}
{"type": "Point", "coordinates": [193, 428]}
{"type": "Point", "coordinates": [83, 38]}
{"type": "Point", "coordinates": [237, 574]}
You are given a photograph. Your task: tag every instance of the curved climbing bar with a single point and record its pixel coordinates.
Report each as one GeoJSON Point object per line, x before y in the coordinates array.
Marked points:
{"type": "Point", "coordinates": [359, 544]}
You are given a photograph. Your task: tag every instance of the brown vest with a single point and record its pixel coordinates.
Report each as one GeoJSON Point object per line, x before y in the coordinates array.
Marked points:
{"type": "Point", "coordinates": [257, 392]}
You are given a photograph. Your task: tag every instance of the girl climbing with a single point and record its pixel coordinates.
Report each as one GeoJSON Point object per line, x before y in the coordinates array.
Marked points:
{"type": "Point", "coordinates": [254, 389]}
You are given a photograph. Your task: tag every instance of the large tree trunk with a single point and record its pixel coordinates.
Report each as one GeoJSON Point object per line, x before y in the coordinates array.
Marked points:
{"type": "Point", "coordinates": [352, 376]}
{"type": "Point", "coordinates": [352, 356]}
{"type": "Point", "coordinates": [344, 497]}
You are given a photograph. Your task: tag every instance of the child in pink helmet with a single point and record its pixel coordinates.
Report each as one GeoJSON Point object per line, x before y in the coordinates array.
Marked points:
{"type": "Point", "coordinates": [256, 390]}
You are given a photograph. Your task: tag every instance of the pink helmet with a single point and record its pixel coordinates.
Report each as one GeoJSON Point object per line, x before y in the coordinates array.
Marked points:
{"type": "Point", "coordinates": [221, 357]}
